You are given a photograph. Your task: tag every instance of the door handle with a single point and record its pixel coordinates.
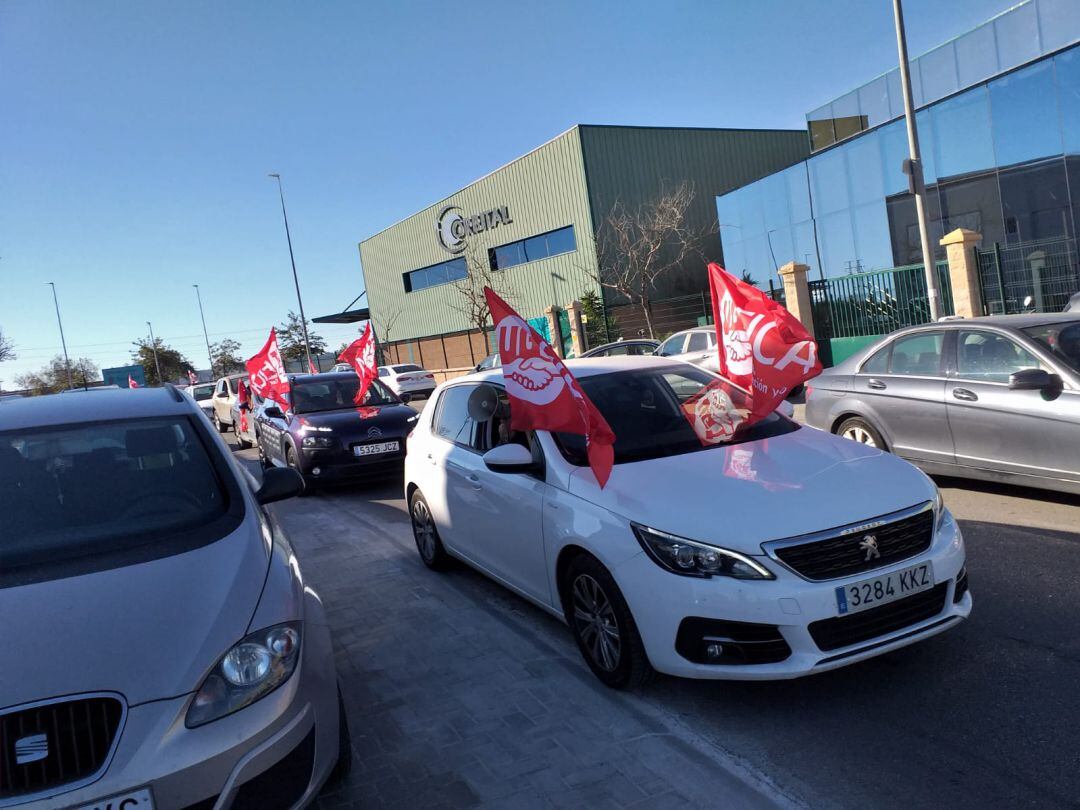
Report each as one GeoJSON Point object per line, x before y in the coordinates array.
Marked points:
{"type": "Point", "coordinates": [877, 385]}
{"type": "Point", "coordinates": [474, 480]}
{"type": "Point", "coordinates": [965, 395]}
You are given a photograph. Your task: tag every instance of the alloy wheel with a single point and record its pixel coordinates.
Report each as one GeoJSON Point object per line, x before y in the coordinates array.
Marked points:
{"type": "Point", "coordinates": [859, 434]}
{"type": "Point", "coordinates": [423, 530]}
{"type": "Point", "coordinates": [595, 622]}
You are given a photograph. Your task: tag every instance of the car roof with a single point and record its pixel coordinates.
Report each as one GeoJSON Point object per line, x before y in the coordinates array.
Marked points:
{"type": "Point", "coordinates": [77, 407]}
{"type": "Point", "coordinates": [583, 367]}
{"type": "Point", "coordinates": [1021, 321]}
{"type": "Point", "coordinates": [324, 375]}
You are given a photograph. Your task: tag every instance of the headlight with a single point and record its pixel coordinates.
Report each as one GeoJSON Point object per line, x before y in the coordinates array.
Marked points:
{"type": "Point", "coordinates": [939, 510]}
{"type": "Point", "coordinates": [252, 668]}
{"type": "Point", "coordinates": [311, 442]}
{"type": "Point", "coordinates": [693, 559]}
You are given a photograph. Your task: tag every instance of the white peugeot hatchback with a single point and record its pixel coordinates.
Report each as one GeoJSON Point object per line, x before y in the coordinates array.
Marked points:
{"type": "Point", "coordinates": [785, 552]}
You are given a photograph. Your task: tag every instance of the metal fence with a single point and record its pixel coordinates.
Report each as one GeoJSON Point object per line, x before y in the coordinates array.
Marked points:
{"type": "Point", "coordinates": [1035, 276]}
{"type": "Point", "coordinates": [668, 316]}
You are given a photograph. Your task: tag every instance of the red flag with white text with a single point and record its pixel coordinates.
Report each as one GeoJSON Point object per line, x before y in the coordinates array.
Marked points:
{"type": "Point", "coordinates": [131, 382]}
{"type": "Point", "coordinates": [360, 354]}
{"type": "Point", "coordinates": [543, 394]}
{"type": "Point", "coordinates": [267, 373]}
{"type": "Point", "coordinates": [762, 347]}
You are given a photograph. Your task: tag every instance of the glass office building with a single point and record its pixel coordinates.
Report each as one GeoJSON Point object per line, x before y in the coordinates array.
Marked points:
{"type": "Point", "coordinates": [999, 127]}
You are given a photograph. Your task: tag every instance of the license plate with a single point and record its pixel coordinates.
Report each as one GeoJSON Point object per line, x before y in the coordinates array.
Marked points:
{"type": "Point", "coordinates": [884, 589]}
{"type": "Point", "coordinates": [376, 449]}
{"type": "Point", "coordinates": [140, 799]}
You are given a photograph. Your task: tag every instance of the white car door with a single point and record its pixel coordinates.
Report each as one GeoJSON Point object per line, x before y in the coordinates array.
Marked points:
{"type": "Point", "coordinates": [445, 488]}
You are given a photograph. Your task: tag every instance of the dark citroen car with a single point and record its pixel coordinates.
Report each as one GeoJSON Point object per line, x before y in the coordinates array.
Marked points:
{"type": "Point", "coordinates": [323, 434]}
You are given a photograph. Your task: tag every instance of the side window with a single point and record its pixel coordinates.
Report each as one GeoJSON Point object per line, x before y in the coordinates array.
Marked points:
{"type": "Point", "coordinates": [383, 372]}
{"type": "Point", "coordinates": [452, 421]}
{"type": "Point", "coordinates": [988, 357]}
{"type": "Point", "coordinates": [673, 345]}
{"type": "Point", "coordinates": [917, 355]}
{"type": "Point", "coordinates": [699, 342]}
{"type": "Point", "coordinates": [496, 430]}
{"type": "Point", "coordinates": [220, 390]}
{"type": "Point", "coordinates": [615, 351]}
{"type": "Point", "coordinates": [878, 362]}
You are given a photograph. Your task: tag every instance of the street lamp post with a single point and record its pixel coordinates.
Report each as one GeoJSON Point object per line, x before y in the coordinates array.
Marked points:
{"type": "Point", "coordinates": [60, 323]}
{"type": "Point", "coordinates": [913, 167]}
{"type": "Point", "coordinates": [153, 345]}
{"type": "Point", "coordinates": [206, 336]}
{"type": "Point", "coordinates": [296, 281]}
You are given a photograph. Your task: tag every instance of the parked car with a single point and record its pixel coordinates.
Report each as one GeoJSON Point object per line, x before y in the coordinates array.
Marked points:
{"type": "Point", "coordinates": [325, 436]}
{"type": "Point", "coordinates": [782, 553]}
{"type": "Point", "coordinates": [408, 380]}
{"type": "Point", "coordinates": [341, 367]}
{"type": "Point", "coordinates": [224, 398]}
{"type": "Point", "coordinates": [491, 361]}
{"type": "Point", "coordinates": [203, 394]}
{"type": "Point", "coordinates": [697, 346]}
{"type": "Point", "coordinates": [624, 347]}
{"type": "Point", "coordinates": [187, 663]}
{"type": "Point", "coordinates": [995, 398]}
{"type": "Point", "coordinates": [250, 437]}
{"type": "Point", "coordinates": [1074, 304]}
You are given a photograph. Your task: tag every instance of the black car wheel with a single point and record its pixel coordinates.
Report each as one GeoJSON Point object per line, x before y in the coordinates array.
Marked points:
{"type": "Point", "coordinates": [603, 626]}
{"type": "Point", "coordinates": [241, 442]}
{"type": "Point", "coordinates": [292, 461]}
{"type": "Point", "coordinates": [221, 428]}
{"type": "Point", "coordinates": [426, 535]}
{"type": "Point", "coordinates": [861, 431]}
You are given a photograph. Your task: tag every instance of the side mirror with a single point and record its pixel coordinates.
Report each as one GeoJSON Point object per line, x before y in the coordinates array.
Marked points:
{"type": "Point", "coordinates": [406, 398]}
{"type": "Point", "coordinates": [273, 412]}
{"type": "Point", "coordinates": [278, 484]}
{"type": "Point", "coordinates": [509, 458]}
{"type": "Point", "coordinates": [1031, 379]}
{"type": "Point", "coordinates": [786, 408]}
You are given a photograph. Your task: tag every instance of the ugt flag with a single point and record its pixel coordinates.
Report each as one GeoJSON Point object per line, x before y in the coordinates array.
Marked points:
{"type": "Point", "coordinates": [267, 373]}
{"type": "Point", "coordinates": [243, 404]}
{"type": "Point", "coordinates": [543, 394]}
{"type": "Point", "coordinates": [131, 382]}
{"type": "Point", "coordinates": [762, 347]}
{"type": "Point", "coordinates": [360, 354]}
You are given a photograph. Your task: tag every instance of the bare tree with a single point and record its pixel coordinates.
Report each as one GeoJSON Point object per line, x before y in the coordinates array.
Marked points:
{"type": "Point", "coordinates": [635, 248]}
{"type": "Point", "coordinates": [384, 324]}
{"type": "Point", "coordinates": [471, 301]}
{"type": "Point", "coordinates": [7, 348]}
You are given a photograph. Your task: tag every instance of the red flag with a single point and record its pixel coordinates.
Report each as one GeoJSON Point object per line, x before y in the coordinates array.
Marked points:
{"type": "Point", "coordinates": [267, 372]}
{"type": "Point", "coordinates": [192, 379]}
{"type": "Point", "coordinates": [243, 403]}
{"type": "Point", "coordinates": [543, 394]}
{"type": "Point", "coordinates": [131, 382]}
{"type": "Point", "coordinates": [311, 367]}
{"type": "Point", "coordinates": [360, 354]}
{"type": "Point", "coordinates": [762, 346]}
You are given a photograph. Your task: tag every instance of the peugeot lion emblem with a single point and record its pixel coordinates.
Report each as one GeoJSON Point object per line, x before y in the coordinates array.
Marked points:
{"type": "Point", "coordinates": [869, 545]}
{"type": "Point", "coordinates": [31, 749]}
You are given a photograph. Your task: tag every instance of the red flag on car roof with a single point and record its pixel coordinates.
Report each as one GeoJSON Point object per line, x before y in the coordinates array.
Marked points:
{"type": "Point", "coordinates": [762, 347]}
{"type": "Point", "coordinates": [543, 394]}
{"type": "Point", "coordinates": [131, 382]}
{"type": "Point", "coordinates": [267, 373]}
{"type": "Point", "coordinates": [311, 367]}
{"type": "Point", "coordinates": [191, 378]}
{"type": "Point", "coordinates": [360, 354]}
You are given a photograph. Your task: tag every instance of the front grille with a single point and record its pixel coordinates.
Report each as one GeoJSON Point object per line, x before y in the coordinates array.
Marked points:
{"type": "Point", "coordinates": [75, 737]}
{"type": "Point", "coordinates": [740, 642]}
{"type": "Point", "coordinates": [844, 555]}
{"type": "Point", "coordinates": [843, 631]}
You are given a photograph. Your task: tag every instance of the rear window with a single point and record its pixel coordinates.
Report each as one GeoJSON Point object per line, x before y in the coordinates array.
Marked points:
{"type": "Point", "coordinates": [1063, 339]}
{"type": "Point", "coordinates": [402, 369]}
{"type": "Point", "coordinates": [91, 490]}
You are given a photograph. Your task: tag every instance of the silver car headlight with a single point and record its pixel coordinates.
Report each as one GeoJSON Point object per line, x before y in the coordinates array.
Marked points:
{"type": "Point", "coordinates": [252, 668]}
{"type": "Point", "coordinates": [316, 442]}
{"type": "Point", "coordinates": [939, 510]}
{"type": "Point", "coordinates": [693, 559]}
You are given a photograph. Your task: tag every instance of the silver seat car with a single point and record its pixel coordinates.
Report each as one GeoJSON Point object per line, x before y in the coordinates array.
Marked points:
{"type": "Point", "coordinates": [697, 346]}
{"type": "Point", "coordinates": [995, 398]}
{"type": "Point", "coordinates": [162, 649]}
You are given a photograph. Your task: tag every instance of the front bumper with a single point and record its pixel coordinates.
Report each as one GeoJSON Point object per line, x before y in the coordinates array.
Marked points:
{"type": "Point", "coordinates": [210, 766]}
{"type": "Point", "coordinates": [660, 601]}
{"type": "Point", "coordinates": [334, 464]}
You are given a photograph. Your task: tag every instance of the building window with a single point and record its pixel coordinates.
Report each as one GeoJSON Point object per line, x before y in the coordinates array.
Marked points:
{"type": "Point", "coordinates": [436, 274]}
{"type": "Point", "coordinates": [533, 249]}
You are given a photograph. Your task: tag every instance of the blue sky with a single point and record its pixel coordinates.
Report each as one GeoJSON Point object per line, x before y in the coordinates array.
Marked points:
{"type": "Point", "coordinates": [136, 135]}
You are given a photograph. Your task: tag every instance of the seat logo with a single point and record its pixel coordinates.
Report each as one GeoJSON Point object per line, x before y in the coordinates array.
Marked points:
{"type": "Point", "coordinates": [31, 749]}
{"type": "Point", "coordinates": [870, 546]}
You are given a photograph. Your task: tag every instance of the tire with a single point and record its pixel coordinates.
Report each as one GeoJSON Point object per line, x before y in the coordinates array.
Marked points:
{"type": "Point", "coordinates": [344, 760]}
{"type": "Point", "coordinates": [221, 428]}
{"type": "Point", "coordinates": [291, 461]}
{"type": "Point", "coordinates": [428, 545]}
{"type": "Point", "coordinates": [241, 442]}
{"type": "Point", "coordinates": [859, 430]}
{"type": "Point", "coordinates": [603, 625]}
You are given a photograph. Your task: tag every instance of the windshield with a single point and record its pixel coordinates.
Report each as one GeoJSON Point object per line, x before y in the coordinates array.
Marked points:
{"type": "Point", "coordinates": [202, 392]}
{"type": "Point", "coordinates": [82, 491]}
{"type": "Point", "coordinates": [312, 396]}
{"type": "Point", "coordinates": [1062, 339]}
{"type": "Point", "coordinates": [644, 409]}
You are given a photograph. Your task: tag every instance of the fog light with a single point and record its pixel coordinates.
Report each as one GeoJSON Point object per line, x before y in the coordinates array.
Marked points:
{"type": "Point", "coordinates": [714, 651]}
{"type": "Point", "coordinates": [315, 471]}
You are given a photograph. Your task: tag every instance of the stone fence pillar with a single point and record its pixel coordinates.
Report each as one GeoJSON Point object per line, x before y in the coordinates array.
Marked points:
{"type": "Point", "coordinates": [964, 272]}
{"type": "Point", "coordinates": [577, 328]}
{"type": "Point", "coordinates": [797, 293]}
{"type": "Point", "coordinates": [552, 315]}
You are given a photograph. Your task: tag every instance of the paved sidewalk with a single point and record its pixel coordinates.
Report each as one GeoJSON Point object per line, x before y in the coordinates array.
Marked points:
{"type": "Point", "coordinates": [459, 694]}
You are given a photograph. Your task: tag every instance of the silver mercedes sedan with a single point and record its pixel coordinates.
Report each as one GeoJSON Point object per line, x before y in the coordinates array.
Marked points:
{"type": "Point", "coordinates": [161, 649]}
{"type": "Point", "coordinates": [995, 398]}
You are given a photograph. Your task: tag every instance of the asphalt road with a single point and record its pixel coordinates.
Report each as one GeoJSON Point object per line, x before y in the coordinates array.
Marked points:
{"type": "Point", "coordinates": [983, 715]}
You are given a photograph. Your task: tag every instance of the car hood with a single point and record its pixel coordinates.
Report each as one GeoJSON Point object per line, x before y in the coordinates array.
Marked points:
{"type": "Point", "coordinates": [739, 496]}
{"type": "Point", "coordinates": [149, 631]}
{"type": "Point", "coordinates": [390, 419]}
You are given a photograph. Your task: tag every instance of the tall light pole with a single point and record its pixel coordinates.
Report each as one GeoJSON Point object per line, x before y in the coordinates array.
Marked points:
{"type": "Point", "coordinates": [206, 336]}
{"type": "Point", "coordinates": [913, 167]}
{"type": "Point", "coordinates": [60, 323]}
{"type": "Point", "coordinates": [153, 345]}
{"type": "Point", "coordinates": [296, 281]}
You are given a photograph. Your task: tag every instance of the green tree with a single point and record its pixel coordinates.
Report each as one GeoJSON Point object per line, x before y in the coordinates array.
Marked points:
{"type": "Point", "coordinates": [599, 326]}
{"type": "Point", "coordinates": [226, 356]}
{"type": "Point", "coordinates": [290, 335]}
{"type": "Point", "coordinates": [7, 348]}
{"type": "Point", "coordinates": [53, 377]}
{"type": "Point", "coordinates": [749, 279]}
{"type": "Point", "coordinates": [174, 366]}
